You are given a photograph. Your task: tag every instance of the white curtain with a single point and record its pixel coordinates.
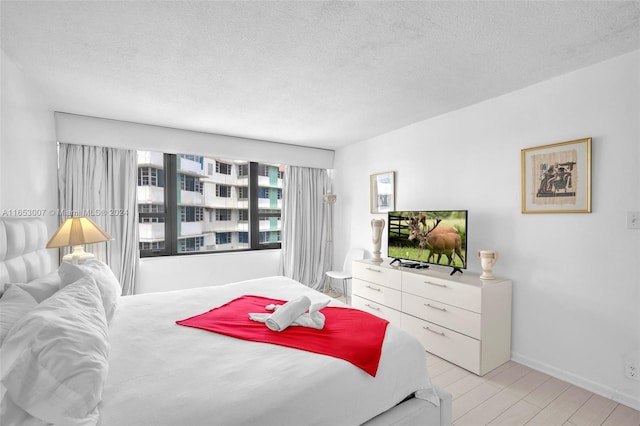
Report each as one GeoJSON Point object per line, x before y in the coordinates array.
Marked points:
{"type": "Point", "coordinates": [101, 183]}
{"type": "Point", "coordinates": [306, 246]}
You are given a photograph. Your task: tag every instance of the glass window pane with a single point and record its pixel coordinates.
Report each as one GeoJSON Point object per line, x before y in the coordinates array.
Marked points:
{"type": "Point", "coordinates": [270, 202]}
{"type": "Point", "coordinates": [210, 203]}
{"type": "Point", "coordinates": [150, 193]}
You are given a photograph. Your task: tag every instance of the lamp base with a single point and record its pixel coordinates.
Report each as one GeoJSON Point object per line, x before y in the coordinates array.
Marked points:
{"type": "Point", "coordinates": [78, 256]}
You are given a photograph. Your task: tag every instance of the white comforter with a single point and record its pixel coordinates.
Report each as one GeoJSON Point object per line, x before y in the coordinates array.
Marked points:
{"type": "Point", "coordinates": [161, 373]}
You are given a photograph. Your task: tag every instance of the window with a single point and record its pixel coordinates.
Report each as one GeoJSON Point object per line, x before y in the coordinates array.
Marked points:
{"type": "Point", "coordinates": [223, 214]}
{"type": "Point", "coordinates": [190, 244]}
{"type": "Point", "coordinates": [223, 237]}
{"type": "Point", "coordinates": [263, 170]}
{"type": "Point", "coordinates": [192, 204]}
{"type": "Point", "coordinates": [190, 214]}
{"type": "Point", "coordinates": [150, 208]}
{"type": "Point", "coordinates": [158, 245]}
{"type": "Point", "coordinates": [243, 192]}
{"type": "Point", "coordinates": [150, 176]}
{"type": "Point", "coordinates": [223, 168]}
{"type": "Point", "coordinates": [196, 158]}
{"type": "Point", "coordinates": [223, 191]}
{"type": "Point", "coordinates": [243, 170]}
{"type": "Point", "coordinates": [190, 183]}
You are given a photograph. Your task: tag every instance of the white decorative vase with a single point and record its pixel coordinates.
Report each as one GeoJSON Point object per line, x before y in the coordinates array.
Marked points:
{"type": "Point", "coordinates": [487, 258]}
{"type": "Point", "coordinates": [377, 225]}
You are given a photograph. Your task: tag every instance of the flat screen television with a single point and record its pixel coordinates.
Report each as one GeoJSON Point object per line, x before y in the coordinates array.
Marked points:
{"type": "Point", "coordinates": [420, 238]}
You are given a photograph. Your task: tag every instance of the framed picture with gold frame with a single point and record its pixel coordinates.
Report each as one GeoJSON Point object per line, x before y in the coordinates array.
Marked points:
{"type": "Point", "coordinates": [382, 192]}
{"type": "Point", "coordinates": [556, 178]}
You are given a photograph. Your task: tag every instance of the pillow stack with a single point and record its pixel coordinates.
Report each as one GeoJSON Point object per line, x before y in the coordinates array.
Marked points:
{"type": "Point", "coordinates": [108, 284]}
{"type": "Point", "coordinates": [54, 357]}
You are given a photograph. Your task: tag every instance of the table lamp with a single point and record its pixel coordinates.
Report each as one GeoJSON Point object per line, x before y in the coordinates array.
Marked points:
{"type": "Point", "coordinates": [76, 232]}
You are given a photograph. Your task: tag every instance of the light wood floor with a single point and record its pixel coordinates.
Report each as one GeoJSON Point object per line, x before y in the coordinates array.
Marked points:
{"type": "Point", "coordinates": [513, 394]}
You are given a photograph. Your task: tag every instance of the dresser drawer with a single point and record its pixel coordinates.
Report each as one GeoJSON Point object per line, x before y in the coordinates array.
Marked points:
{"type": "Point", "coordinates": [460, 320]}
{"type": "Point", "coordinates": [454, 347]}
{"type": "Point", "coordinates": [376, 274]}
{"type": "Point", "coordinates": [391, 315]}
{"type": "Point", "coordinates": [446, 291]}
{"type": "Point", "coordinates": [377, 293]}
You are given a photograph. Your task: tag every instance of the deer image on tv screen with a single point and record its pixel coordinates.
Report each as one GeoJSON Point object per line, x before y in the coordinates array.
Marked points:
{"type": "Point", "coordinates": [429, 237]}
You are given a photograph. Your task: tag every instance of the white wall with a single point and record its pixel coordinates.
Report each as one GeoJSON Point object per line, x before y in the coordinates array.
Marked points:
{"type": "Point", "coordinates": [179, 272]}
{"type": "Point", "coordinates": [576, 277]}
{"type": "Point", "coordinates": [28, 158]}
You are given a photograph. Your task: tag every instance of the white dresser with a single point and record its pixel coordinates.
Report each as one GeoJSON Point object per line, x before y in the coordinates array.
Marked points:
{"type": "Point", "coordinates": [460, 318]}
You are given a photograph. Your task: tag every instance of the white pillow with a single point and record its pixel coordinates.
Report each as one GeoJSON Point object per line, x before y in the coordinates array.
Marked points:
{"type": "Point", "coordinates": [53, 363]}
{"type": "Point", "coordinates": [107, 282]}
{"type": "Point", "coordinates": [14, 304]}
{"type": "Point", "coordinates": [41, 288]}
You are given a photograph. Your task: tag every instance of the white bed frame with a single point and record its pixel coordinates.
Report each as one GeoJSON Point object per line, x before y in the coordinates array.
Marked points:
{"type": "Point", "coordinates": [24, 258]}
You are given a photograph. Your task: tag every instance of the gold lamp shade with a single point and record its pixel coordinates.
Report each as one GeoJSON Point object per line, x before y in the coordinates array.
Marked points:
{"type": "Point", "coordinates": [76, 232]}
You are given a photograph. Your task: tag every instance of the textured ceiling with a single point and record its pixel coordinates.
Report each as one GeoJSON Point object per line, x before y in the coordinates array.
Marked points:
{"type": "Point", "coordinates": [322, 74]}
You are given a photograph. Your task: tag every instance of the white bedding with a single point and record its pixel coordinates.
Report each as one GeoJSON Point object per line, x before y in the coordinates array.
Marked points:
{"type": "Point", "coordinates": [161, 373]}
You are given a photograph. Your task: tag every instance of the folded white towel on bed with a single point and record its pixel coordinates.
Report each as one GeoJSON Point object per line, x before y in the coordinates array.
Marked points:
{"type": "Point", "coordinates": [313, 319]}
{"type": "Point", "coordinates": [288, 313]}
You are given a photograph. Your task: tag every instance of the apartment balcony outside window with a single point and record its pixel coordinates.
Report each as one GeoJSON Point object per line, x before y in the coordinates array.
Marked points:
{"type": "Point", "coordinates": [270, 182]}
{"type": "Point", "coordinates": [191, 198]}
{"type": "Point", "coordinates": [190, 229]}
{"type": "Point", "coordinates": [272, 224]}
{"type": "Point", "coordinates": [151, 232]}
{"type": "Point", "coordinates": [266, 203]}
{"type": "Point", "coordinates": [231, 226]}
{"type": "Point", "coordinates": [190, 166]}
{"type": "Point", "coordinates": [150, 195]}
{"type": "Point", "coordinates": [151, 158]}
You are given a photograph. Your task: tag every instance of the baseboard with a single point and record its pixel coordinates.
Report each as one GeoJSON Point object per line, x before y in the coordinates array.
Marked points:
{"type": "Point", "coordinates": [591, 386]}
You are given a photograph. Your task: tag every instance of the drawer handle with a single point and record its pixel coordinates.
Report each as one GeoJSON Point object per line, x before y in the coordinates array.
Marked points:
{"type": "Point", "coordinates": [435, 307]}
{"type": "Point", "coordinates": [372, 307]}
{"type": "Point", "coordinates": [433, 331]}
{"type": "Point", "coordinates": [373, 288]}
{"type": "Point", "coordinates": [436, 284]}
{"type": "Point", "coordinates": [373, 270]}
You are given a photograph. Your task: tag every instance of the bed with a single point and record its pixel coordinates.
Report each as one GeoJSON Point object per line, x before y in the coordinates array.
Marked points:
{"type": "Point", "coordinates": [143, 368]}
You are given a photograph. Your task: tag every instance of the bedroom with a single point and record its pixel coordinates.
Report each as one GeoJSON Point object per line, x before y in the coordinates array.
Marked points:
{"type": "Point", "coordinates": [576, 316]}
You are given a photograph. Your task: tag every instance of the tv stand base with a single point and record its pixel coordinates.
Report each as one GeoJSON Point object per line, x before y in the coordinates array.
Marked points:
{"type": "Point", "coordinates": [455, 269]}
{"type": "Point", "coordinates": [413, 265]}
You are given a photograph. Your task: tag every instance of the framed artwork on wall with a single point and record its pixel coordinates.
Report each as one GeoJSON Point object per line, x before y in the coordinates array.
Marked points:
{"type": "Point", "coordinates": [382, 192]}
{"type": "Point", "coordinates": [556, 178]}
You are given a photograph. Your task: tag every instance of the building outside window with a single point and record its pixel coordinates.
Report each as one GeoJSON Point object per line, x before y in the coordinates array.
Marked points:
{"type": "Point", "coordinates": [196, 204]}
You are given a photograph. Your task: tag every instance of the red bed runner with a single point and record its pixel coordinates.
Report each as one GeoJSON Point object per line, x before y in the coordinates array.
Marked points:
{"type": "Point", "coordinates": [348, 334]}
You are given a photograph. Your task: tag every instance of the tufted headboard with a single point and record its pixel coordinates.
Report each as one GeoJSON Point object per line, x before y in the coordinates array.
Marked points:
{"type": "Point", "coordinates": [23, 256]}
